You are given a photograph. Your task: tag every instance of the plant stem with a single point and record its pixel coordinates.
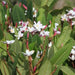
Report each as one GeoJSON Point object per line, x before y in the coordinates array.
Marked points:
{"type": "Point", "coordinates": [54, 71]}
{"type": "Point", "coordinates": [29, 58]}
{"type": "Point", "coordinates": [41, 58]}
{"type": "Point", "coordinates": [71, 23]}
{"type": "Point", "coordinates": [42, 54]}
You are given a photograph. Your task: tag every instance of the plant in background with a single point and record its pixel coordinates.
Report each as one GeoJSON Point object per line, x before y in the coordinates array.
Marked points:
{"type": "Point", "coordinates": [35, 41]}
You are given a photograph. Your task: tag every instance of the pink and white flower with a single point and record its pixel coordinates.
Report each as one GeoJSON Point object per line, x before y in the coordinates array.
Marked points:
{"type": "Point", "coordinates": [34, 12]}
{"type": "Point", "coordinates": [38, 26]}
{"type": "Point", "coordinates": [19, 35]}
{"type": "Point", "coordinates": [3, 2]}
{"type": "Point", "coordinates": [64, 17]}
{"type": "Point", "coordinates": [9, 41]}
{"type": "Point", "coordinates": [31, 29]}
{"type": "Point", "coordinates": [11, 29]}
{"type": "Point", "coordinates": [44, 33]}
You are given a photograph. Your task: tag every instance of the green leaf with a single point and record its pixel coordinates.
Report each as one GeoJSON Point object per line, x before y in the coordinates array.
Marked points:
{"type": "Point", "coordinates": [67, 70]}
{"type": "Point", "coordinates": [49, 17]}
{"type": "Point", "coordinates": [23, 66]}
{"type": "Point", "coordinates": [45, 68]}
{"type": "Point", "coordinates": [3, 47]}
{"type": "Point", "coordinates": [4, 68]}
{"type": "Point", "coordinates": [65, 36]}
{"type": "Point", "coordinates": [18, 14]}
{"type": "Point", "coordinates": [57, 19]}
{"type": "Point", "coordinates": [23, 46]}
{"type": "Point", "coordinates": [22, 71]}
{"type": "Point", "coordinates": [55, 49]}
{"type": "Point", "coordinates": [51, 28]}
{"type": "Point", "coordinates": [29, 10]}
{"type": "Point", "coordinates": [73, 33]}
{"type": "Point", "coordinates": [41, 16]}
{"type": "Point", "coordinates": [1, 34]}
{"type": "Point", "coordinates": [15, 47]}
{"type": "Point", "coordinates": [50, 52]}
{"type": "Point", "coordinates": [49, 2]}
{"type": "Point", "coordinates": [32, 45]}
{"type": "Point", "coordinates": [2, 16]}
{"type": "Point", "coordinates": [37, 3]}
{"type": "Point", "coordinates": [36, 39]}
{"type": "Point", "coordinates": [8, 36]}
{"type": "Point", "coordinates": [62, 54]}
{"type": "Point", "coordinates": [43, 2]}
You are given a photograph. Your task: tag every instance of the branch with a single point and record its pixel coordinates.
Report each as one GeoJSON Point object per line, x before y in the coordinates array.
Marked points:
{"type": "Point", "coordinates": [41, 57]}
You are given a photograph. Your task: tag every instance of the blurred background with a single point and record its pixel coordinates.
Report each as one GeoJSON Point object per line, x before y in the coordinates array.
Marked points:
{"type": "Point", "coordinates": [61, 3]}
{"type": "Point", "coordinates": [58, 5]}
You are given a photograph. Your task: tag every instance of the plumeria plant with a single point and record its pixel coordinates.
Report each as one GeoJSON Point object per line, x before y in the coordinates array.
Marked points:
{"type": "Point", "coordinates": [35, 41]}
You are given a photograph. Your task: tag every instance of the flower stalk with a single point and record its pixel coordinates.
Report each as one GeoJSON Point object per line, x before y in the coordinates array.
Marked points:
{"type": "Point", "coordinates": [29, 57]}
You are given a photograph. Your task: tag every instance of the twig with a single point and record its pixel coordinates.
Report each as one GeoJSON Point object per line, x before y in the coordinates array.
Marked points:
{"type": "Point", "coordinates": [41, 58]}
{"type": "Point", "coordinates": [54, 71]}
{"type": "Point", "coordinates": [18, 71]}
{"type": "Point", "coordinates": [42, 54]}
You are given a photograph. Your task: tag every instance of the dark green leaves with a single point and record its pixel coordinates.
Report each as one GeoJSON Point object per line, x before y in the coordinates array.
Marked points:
{"type": "Point", "coordinates": [1, 34]}
{"type": "Point", "coordinates": [15, 47]}
{"type": "Point", "coordinates": [18, 14]}
{"type": "Point", "coordinates": [8, 36]}
{"type": "Point", "coordinates": [62, 54]}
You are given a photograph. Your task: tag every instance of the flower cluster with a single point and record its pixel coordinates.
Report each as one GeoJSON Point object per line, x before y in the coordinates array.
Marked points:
{"type": "Point", "coordinates": [72, 54]}
{"type": "Point", "coordinates": [24, 27]}
{"type": "Point", "coordinates": [56, 32]}
{"type": "Point", "coordinates": [11, 29]}
{"type": "Point", "coordinates": [69, 16]}
{"type": "Point", "coordinates": [34, 12]}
